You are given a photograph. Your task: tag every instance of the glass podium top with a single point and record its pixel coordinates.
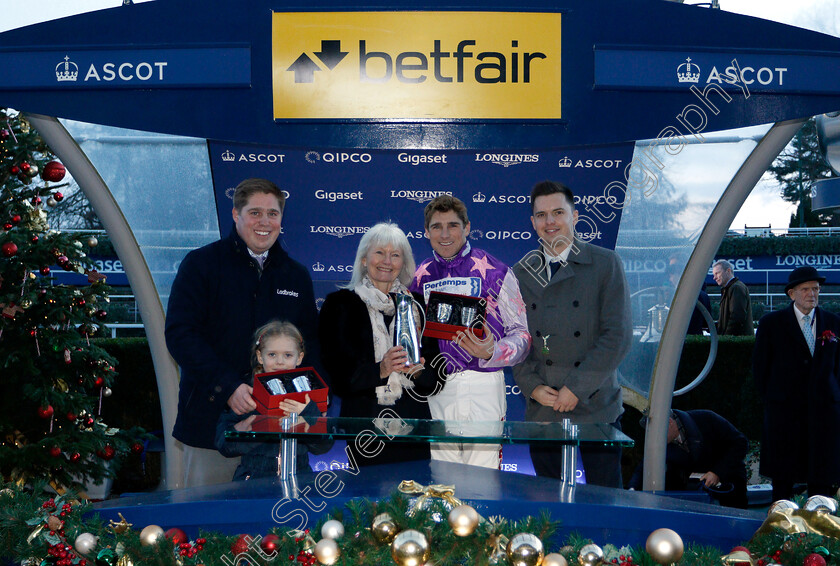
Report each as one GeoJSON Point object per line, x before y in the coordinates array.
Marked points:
{"type": "Point", "coordinates": [270, 429]}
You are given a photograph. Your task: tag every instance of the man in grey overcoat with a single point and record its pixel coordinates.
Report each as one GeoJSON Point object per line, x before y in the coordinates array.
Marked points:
{"type": "Point", "coordinates": [578, 308]}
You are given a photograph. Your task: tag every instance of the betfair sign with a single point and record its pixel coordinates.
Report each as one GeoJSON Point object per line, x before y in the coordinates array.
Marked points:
{"type": "Point", "coordinates": [416, 65]}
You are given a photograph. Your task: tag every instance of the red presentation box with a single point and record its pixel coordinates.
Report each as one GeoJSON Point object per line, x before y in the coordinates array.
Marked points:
{"type": "Point", "coordinates": [455, 305]}
{"type": "Point", "coordinates": [267, 403]}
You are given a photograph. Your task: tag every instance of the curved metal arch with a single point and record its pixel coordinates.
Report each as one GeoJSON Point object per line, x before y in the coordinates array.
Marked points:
{"type": "Point", "coordinates": [673, 336]}
{"type": "Point", "coordinates": [139, 277]}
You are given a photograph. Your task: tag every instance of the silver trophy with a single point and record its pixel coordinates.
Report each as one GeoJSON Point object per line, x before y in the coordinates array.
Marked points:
{"type": "Point", "coordinates": [444, 311]}
{"type": "Point", "coordinates": [468, 316]}
{"type": "Point", "coordinates": [405, 327]}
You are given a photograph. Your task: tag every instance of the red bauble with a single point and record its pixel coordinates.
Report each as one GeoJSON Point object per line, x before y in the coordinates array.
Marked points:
{"type": "Point", "coordinates": [9, 249]}
{"type": "Point", "coordinates": [14, 170]}
{"type": "Point", "coordinates": [36, 201]}
{"type": "Point", "coordinates": [741, 548]}
{"type": "Point", "coordinates": [34, 238]}
{"type": "Point", "coordinates": [4, 133]}
{"type": "Point", "coordinates": [55, 451]}
{"type": "Point", "coordinates": [99, 383]}
{"type": "Point", "coordinates": [75, 457]}
{"type": "Point", "coordinates": [136, 448]}
{"type": "Point", "coordinates": [176, 535]}
{"type": "Point", "coordinates": [71, 416]}
{"type": "Point", "coordinates": [101, 314]}
{"type": "Point", "coordinates": [45, 412]}
{"type": "Point", "coordinates": [53, 171]}
{"type": "Point", "coordinates": [269, 543]}
{"type": "Point", "coordinates": [239, 545]}
{"type": "Point", "coordinates": [16, 219]}
{"type": "Point", "coordinates": [89, 422]}
{"type": "Point", "coordinates": [45, 270]}
{"type": "Point", "coordinates": [24, 166]}
{"type": "Point", "coordinates": [7, 226]}
{"type": "Point", "coordinates": [58, 196]}
{"type": "Point", "coordinates": [814, 560]}
{"type": "Point", "coordinates": [108, 452]}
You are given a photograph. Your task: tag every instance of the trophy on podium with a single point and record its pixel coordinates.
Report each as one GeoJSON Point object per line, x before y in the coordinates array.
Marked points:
{"type": "Point", "coordinates": [405, 327]}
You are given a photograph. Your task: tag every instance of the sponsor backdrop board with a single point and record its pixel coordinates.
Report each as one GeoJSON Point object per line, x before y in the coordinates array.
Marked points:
{"type": "Point", "coordinates": [335, 195]}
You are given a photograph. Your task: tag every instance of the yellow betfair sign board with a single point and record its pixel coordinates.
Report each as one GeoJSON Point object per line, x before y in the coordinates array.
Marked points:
{"type": "Point", "coordinates": [416, 65]}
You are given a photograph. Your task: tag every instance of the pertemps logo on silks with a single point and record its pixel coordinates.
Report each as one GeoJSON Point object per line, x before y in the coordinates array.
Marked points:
{"type": "Point", "coordinates": [469, 286]}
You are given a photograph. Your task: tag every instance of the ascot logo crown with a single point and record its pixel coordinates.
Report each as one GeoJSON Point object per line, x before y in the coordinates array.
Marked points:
{"type": "Point", "coordinates": [688, 72]}
{"type": "Point", "coordinates": [565, 162]}
{"type": "Point", "coordinates": [66, 70]}
{"type": "Point", "coordinates": [479, 197]}
{"type": "Point", "coordinates": [228, 156]}
{"type": "Point", "coordinates": [318, 266]}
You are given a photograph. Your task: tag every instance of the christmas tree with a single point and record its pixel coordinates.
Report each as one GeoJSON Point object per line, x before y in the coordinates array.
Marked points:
{"type": "Point", "coordinates": [52, 377]}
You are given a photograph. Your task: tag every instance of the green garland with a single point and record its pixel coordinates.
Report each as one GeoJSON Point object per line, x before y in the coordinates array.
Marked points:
{"type": "Point", "coordinates": [35, 528]}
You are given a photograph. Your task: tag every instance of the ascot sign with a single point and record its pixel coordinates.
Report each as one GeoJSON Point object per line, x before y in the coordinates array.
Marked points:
{"type": "Point", "coordinates": [416, 65]}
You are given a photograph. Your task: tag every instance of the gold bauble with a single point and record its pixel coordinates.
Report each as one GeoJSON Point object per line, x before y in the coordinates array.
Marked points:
{"type": "Point", "coordinates": [819, 503]}
{"type": "Point", "coordinates": [554, 559]}
{"type": "Point", "coordinates": [665, 546]}
{"type": "Point", "coordinates": [150, 535]}
{"type": "Point", "coordinates": [327, 552]}
{"type": "Point", "coordinates": [781, 505]}
{"type": "Point", "coordinates": [410, 548]}
{"type": "Point", "coordinates": [463, 519]}
{"type": "Point", "coordinates": [525, 549]}
{"type": "Point", "coordinates": [590, 555]}
{"type": "Point", "coordinates": [332, 529]}
{"type": "Point", "coordinates": [92, 242]}
{"type": "Point", "coordinates": [124, 560]}
{"type": "Point", "coordinates": [384, 528]}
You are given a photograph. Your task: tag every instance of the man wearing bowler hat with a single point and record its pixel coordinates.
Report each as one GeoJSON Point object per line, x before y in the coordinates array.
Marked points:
{"type": "Point", "coordinates": [796, 365]}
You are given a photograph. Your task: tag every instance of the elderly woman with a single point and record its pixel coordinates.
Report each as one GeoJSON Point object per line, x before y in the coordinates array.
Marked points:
{"type": "Point", "coordinates": [356, 325]}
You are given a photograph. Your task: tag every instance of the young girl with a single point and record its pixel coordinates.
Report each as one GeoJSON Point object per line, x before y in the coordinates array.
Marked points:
{"type": "Point", "coordinates": [277, 346]}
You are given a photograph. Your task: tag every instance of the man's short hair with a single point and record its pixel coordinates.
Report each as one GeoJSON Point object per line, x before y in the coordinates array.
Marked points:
{"type": "Point", "coordinates": [247, 188]}
{"type": "Point", "coordinates": [445, 203]}
{"type": "Point", "coordinates": [545, 188]}
{"type": "Point", "coordinates": [724, 265]}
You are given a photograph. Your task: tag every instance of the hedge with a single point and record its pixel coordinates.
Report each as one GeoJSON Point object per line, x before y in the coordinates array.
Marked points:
{"type": "Point", "coordinates": [778, 245]}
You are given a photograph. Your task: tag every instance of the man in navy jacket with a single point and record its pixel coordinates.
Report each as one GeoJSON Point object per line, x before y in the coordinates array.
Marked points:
{"type": "Point", "coordinates": [223, 292]}
{"type": "Point", "coordinates": [796, 365]}
{"type": "Point", "coordinates": [703, 442]}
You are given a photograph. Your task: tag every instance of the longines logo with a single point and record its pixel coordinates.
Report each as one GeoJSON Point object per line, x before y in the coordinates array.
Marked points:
{"type": "Point", "coordinates": [338, 231]}
{"type": "Point", "coordinates": [507, 159]}
{"type": "Point", "coordinates": [418, 159]}
{"type": "Point", "coordinates": [501, 199]}
{"type": "Point", "coordinates": [230, 190]}
{"type": "Point", "coordinates": [337, 157]}
{"type": "Point", "coordinates": [333, 196]}
{"type": "Point", "coordinates": [228, 156]}
{"type": "Point", "coordinates": [419, 196]}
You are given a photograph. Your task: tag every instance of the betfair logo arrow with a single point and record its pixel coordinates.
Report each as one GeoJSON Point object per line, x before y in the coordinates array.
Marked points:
{"type": "Point", "coordinates": [330, 55]}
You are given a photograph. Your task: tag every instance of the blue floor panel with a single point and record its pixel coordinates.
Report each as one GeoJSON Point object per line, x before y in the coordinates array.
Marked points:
{"type": "Point", "coordinates": [605, 515]}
